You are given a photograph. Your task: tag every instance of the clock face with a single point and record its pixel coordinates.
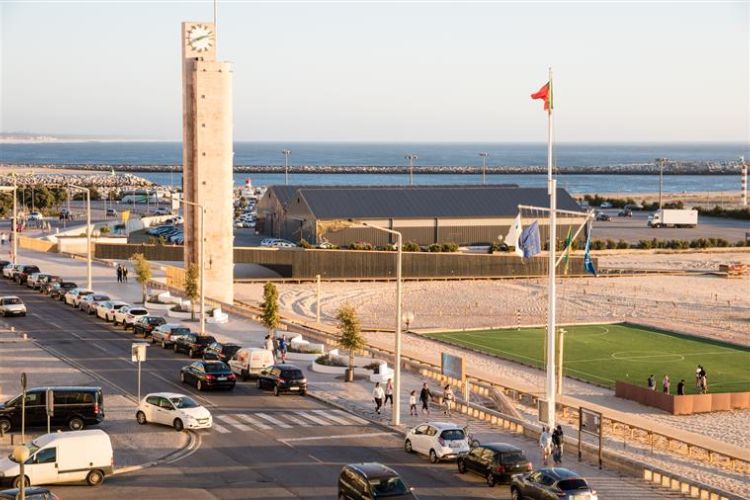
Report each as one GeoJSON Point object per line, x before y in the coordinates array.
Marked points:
{"type": "Point", "coordinates": [200, 38]}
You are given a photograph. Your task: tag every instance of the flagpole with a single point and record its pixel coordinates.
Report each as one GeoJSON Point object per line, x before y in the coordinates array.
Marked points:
{"type": "Point", "coordinates": [552, 189]}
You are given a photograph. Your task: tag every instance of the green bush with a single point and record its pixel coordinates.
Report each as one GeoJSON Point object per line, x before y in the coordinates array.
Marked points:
{"type": "Point", "coordinates": [435, 247]}
{"type": "Point", "coordinates": [449, 247]}
{"type": "Point", "coordinates": [304, 243]}
{"type": "Point", "coordinates": [360, 245]}
{"type": "Point", "coordinates": [328, 360]}
{"type": "Point", "coordinates": [622, 244]}
{"type": "Point", "coordinates": [411, 246]}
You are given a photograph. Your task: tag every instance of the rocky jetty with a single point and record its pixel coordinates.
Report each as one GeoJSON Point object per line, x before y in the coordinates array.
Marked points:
{"type": "Point", "coordinates": [107, 182]}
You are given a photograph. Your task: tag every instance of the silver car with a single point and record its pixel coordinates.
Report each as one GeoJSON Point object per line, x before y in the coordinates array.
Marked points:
{"type": "Point", "coordinates": [10, 305]}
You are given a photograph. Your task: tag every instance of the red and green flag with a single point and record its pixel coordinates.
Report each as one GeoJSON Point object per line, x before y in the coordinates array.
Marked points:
{"type": "Point", "coordinates": [546, 94]}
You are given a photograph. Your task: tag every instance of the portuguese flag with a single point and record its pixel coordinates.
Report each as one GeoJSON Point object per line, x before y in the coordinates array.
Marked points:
{"type": "Point", "coordinates": [546, 94]}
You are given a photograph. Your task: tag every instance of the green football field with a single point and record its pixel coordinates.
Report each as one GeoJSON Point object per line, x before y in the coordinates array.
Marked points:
{"type": "Point", "coordinates": [605, 353]}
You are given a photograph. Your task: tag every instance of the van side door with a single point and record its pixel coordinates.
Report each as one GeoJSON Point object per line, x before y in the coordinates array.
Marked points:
{"type": "Point", "coordinates": [42, 467]}
{"type": "Point", "coordinates": [36, 411]}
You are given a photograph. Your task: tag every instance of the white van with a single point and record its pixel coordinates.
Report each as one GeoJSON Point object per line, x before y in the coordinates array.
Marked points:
{"type": "Point", "coordinates": [250, 361]}
{"type": "Point", "coordinates": [63, 457]}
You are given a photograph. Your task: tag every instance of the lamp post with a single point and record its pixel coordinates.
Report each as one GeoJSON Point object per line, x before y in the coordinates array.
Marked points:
{"type": "Point", "coordinates": [13, 222]}
{"type": "Point", "coordinates": [560, 344]}
{"type": "Point", "coordinates": [88, 232]}
{"type": "Point", "coordinates": [661, 161]}
{"type": "Point", "coordinates": [20, 455]}
{"type": "Point", "coordinates": [286, 154]}
{"type": "Point", "coordinates": [202, 265]}
{"type": "Point", "coordinates": [484, 167]}
{"type": "Point", "coordinates": [411, 157]}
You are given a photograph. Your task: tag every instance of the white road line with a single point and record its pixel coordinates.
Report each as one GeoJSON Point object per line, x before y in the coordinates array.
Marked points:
{"type": "Point", "coordinates": [274, 421]}
{"type": "Point", "coordinates": [220, 428]}
{"type": "Point", "coordinates": [356, 419]}
{"type": "Point", "coordinates": [313, 418]}
{"type": "Point", "coordinates": [252, 420]}
{"type": "Point", "coordinates": [234, 423]}
{"type": "Point", "coordinates": [338, 436]}
{"type": "Point", "coordinates": [327, 414]}
{"type": "Point", "coordinates": [298, 420]}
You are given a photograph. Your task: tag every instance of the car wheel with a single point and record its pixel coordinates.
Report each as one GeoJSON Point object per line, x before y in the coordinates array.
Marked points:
{"type": "Point", "coordinates": [75, 424]}
{"type": "Point", "coordinates": [433, 457]}
{"type": "Point", "coordinates": [114, 321]}
{"type": "Point", "coordinates": [303, 393]}
{"type": "Point", "coordinates": [178, 425]}
{"type": "Point", "coordinates": [490, 479]}
{"type": "Point", "coordinates": [140, 417]}
{"type": "Point", "coordinates": [515, 494]}
{"type": "Point", "coordinates": [175, 348]}
{"type": "Point", "coordinates": [5, 425]}
{"type": "Point", "coordinates": [246, 376]}
{"type": "Point", "coordinates": [182, 377]}
{"type": "Point", "coordinates": [191, 353]}
{"type": "Point", "coordinates": [407, 447]}
{"type": "Point", "coordinates": [461, 465]}
{"type": "Point", "coordinates": [17, 482]}
{"type": "Point", "coordinates": [163, 345]}
{"type": "Point", "coordinates": [258, 383]}
{"type": "Point", "coordinates": [276, 390]}
{"type": "Point", "coordinates": [95, 478]}
{"type": "Point", "coordinates": [199, 385]}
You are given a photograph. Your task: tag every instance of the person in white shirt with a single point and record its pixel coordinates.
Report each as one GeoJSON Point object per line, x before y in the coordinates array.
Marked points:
{"type": "Point", "coordinates": [545, 443]}
{"type": "Point", "coordinates": [378, 394]}
{"type": "Point", "coordinates": [448, 399]}
{"type": "Point", "coordinates": [413, 403]}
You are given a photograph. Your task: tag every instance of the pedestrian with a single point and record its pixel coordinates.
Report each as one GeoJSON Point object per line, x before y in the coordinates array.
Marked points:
{"type": "Point", "coordinates": [698, 371]}
{"type": "Point", "coordinates": [269, 343]}
{"type": "Point", "coordinates": [665, 384]}
{"type": "Point", "coordinates": [282, 348]}
{"type": "Point", "coordinates": [651, 382]}
{"type": "Point", "coordinates": [388, 392]}
{"type": "Point", "coordinates": [413, 403]}
{"type": "Point", "coordinates": [3, 237]}
{"type": "Point", "coordinates": [545, 444]}
{"type": "Point", "coordinates": [425, 396]}
{"type": "Point", "coordinates": [119, 273]}
{"type": "Point", "coordinates": [703, 384]}
{"type": "Point", "coordinates": [681, 388]}
{"type": "Point", "coordinates": [275, 341]}
{"type": "Point", "coordinates": [377, 395]}
{"type": "Point", "coordinates": [448, 398]}
{"type": "Point", "coordinates": [125, 273]}
{"type": "Point", "coordinates": [557, 444]}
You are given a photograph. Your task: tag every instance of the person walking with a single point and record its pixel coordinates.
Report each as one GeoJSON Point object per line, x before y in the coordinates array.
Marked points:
{"type": "Point", "coordinates": [119, 273]}
{"type": "Point", "coordinates": [698, 371]}
{"type": "Point", "coordinates": [545, 445]}
{"type": "Point", "coordinates": [681, 388]}
{"type": "Point", "coordinates": [557, 444]}
{"type": "Point", "coordinates": [413, 403]}
{"type": "Point", "coordinates": [448, 399]}
{"type": "Point", "coordinates": [388, 392]}
{"type": "Point", "coordinates": [378, 395]}
{"type": "Point", "coordinates": [269, 343]}
{"type": "Point", "coordinates": [125, 273]}
{"type": "Point", "coordinates": [702, 380]}
{"type": "Point", "coordinates": [651, 382]}
{"type": "Point", "coordinates": [425, 396]}
{"type": "Point", "coordinates": [282, 348]}
{"type": "Point", "coordinates": [3, 238]}
{"type": "Point", "coordinates": [665, 384]}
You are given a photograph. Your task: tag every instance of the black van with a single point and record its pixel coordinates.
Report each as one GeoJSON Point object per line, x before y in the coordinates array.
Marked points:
{"type": "Point", "coordinates": [372, 480]}
{"type": "Point", "coordinates": [74, 407]}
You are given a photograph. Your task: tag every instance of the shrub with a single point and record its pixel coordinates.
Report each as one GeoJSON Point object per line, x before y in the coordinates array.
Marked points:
{"type": "Point", "coordinates": [360, 245]}
{"type": "Point", "coordinates": [435, 247]}
{"type": "Point", "coordinates": [622, 244]}
{"type": "Point", "coordinates": [104, 230]}
{"type": "Point", "coordinates": [450, 247]}
{"type": "Point", "coordinates": [374, 366]}
{"type": "Point", "coordinates": [304, 243]}
{"type": "Point", "coordinates": [411, 246]}
{"type": "Point", "coordinates": [306, 348]}
{"type": "Point", "coordinates": [328, 360]}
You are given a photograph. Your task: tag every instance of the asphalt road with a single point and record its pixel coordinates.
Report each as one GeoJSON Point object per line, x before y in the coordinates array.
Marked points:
{"type": "Point", "coordinates": [262, 447]}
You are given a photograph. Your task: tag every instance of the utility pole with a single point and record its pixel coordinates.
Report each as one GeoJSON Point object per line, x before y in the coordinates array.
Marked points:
{"type": "Point", "coordinates": [484, 167]}
{"type": "Point", "coordinates": [286, 154]}
{"type": "Point", "coordinates": [661, 161]}
{"type": "Point", "coordinates": [411, 157]}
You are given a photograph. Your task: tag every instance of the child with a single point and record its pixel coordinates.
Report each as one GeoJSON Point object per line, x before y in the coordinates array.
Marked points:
{"type": "Point", "coordinates": [413, 403]}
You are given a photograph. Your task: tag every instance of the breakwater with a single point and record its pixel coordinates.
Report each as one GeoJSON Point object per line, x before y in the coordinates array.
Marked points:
{"type": "Point", "coordinates": [106, 182]}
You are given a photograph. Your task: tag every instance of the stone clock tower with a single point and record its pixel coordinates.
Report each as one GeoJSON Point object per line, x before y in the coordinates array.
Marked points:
{"type": "Point", "coordinates": [207, 157]}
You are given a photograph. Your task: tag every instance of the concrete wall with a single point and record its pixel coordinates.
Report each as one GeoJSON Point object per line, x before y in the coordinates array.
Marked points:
{"type": "Point", "coordinates": [683, 405]}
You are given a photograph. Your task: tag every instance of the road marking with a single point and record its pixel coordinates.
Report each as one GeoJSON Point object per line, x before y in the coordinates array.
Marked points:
{"type": "Point", "coordinates": [221, 429]}
{"type": "Point", "coordinates": [315, 419]}
{"type": "Point", "coordinates": [337, 436]}
{"type": "Point", "coordinates": [316, 459]}
{"type": "Point", "coordinates": [234, 423]}
{"type": "Point", "coordinates": [356, 419]}
{"type": "Point", "coordinates": [252, 420]}
{"type": "Point", "coordinates": [274, 421]}
{"type": "Point", "coordinates": [300, 422]}
{"type": "Point", "coordinates": [327, 414]}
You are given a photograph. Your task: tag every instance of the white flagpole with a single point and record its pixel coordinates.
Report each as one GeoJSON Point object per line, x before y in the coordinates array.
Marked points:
{"type": "Point", "coordinates": [552, 189]}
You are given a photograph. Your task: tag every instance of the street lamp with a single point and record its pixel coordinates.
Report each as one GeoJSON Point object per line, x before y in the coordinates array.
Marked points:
{"type": "Point", "coordinates": [88, 232]}
{"type": "Point", "coordinates": [13, 188]}
{"type": "Point", "coordinates": [561, 342]}
{"type": "Point", "coordinates": [411, 157]}
{"type": "Point", "coordinates": [20, 455]}
{"type": "Point", "coordinates": [202, 265]}
{"type": "Point", "coordinates": [484, 167]}
{"type": "Point", "coordinates": [661, 161]}
{"type": "Point", "coordinates": [286, 154]}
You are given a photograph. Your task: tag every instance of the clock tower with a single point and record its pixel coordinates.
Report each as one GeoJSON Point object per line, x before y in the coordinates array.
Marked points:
{"type": "Point", "coordinates": [207, 156]}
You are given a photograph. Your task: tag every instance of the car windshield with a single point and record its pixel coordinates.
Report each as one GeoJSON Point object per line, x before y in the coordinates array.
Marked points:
{"type": "Point", "coordinates": [180, 331]}
{"type": "Point", "coordinates": [203, 340]}
{"type": "Point", "coordinates": [292, 374]}
{"type": "Point", "coordinates": [99, 298]}
{"type": "Point", "coordinates": [572, 484]}
{"type": "Point", "coordinates": [31, 447]}
{"type": "Point", "coordinates": [215, 367]}
{"type": "Point", "coordinates": [183, 402]}
{"type": "Point", "coordinates": [388, 487]}
{"type": "Point", "coordinates": [137, 312]}
{"type": "Point", "coordinates": [453, 435]}
{"type": "Point", "coordinates": [156, 321]}
{"type": "Point", "coordinates": [13, 300]}
{"type": "Point", "coordinates": [514, 457]}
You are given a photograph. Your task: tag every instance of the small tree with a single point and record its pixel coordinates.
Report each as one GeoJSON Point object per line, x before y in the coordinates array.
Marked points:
{"type": "Point", "coordinates": [270, 305]}
{"type": "Point", "coordinates": [191, 287]}
{"type": "Point", "coordinates": [351, 335]}
{"type": "Point", "coordinates": [142, 272]}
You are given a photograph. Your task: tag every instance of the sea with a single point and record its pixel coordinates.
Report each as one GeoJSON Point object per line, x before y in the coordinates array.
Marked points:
{"type": "Point", "coordinates": [599, 155]}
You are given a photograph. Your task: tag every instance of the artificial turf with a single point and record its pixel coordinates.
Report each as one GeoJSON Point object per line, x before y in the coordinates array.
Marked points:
{"type": "Point", "coordinates": [605, 353]}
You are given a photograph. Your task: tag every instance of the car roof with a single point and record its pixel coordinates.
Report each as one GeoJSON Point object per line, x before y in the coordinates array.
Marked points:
{"type": "Point", "coordinates": [445, 425]}
{"type": "Point", "coordinates": [373, 469]}
{"type": "Point", "coordinates": [29, 490]}
{"type": "Point", "coordinates": [285, 366]}
{"type": "Point", "coordinates": [501, 447]}
{"type": "Point", "coordinates": [82, 388]}
{"type": "Point", "coordinates": [168, 395]}
{"type": "Point", "coordinates": [9, 297]}
{"type": "Point", "coordinates": [560, 473]}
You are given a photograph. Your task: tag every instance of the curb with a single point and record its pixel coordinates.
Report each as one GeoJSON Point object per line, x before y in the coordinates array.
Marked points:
{"type": "Point", "coordinates": [192, 445]}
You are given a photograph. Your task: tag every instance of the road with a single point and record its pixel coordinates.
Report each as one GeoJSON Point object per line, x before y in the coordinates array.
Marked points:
{"type": "Point", "coordinates": [261, 447]}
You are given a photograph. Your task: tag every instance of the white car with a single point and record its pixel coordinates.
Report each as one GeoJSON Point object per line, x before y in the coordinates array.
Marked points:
{"type": "Point", "coordinates": [10, 305]}
{"type": "Point", "coordinates": [10, 270]}
{"type": "Point", "coordinates": [74, 296]}
{"type": "Point", "coordinates": [283, 244]}
{"type": "Point", "coordinates": [176, 410]}
{"type": "Point", "coordinates": [106, 310]}
{"type": "Point", "coordinates": [438, 440]}
{"type": "Point", "coordinates": [126, 315]}
{"type": "Point", "coordinates": [35, 216]}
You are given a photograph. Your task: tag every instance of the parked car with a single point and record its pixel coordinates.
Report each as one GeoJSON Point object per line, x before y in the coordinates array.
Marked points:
{"type": "Point", "coordinates": [64, 457]}
{"type": "Point", "coordinates": [176, 410]}
{"type": "Point", "coordinates": [75, 408]}
{"type": "Point", "coordinates": [250, 361]}
{"type": "Point", "coordinates": [35, 217]}
{"type": "Point", "coordinates": [438, 440]}
{"type": "Point", "coordinates": [5, 263]}
{"type": "Point", "coordinates": [10, 271]}
{"type": "Point", "coordinates": [552, 482]}
{"type": "Point", "coordinates": [10, 305]}
{"type": "Point", "coordinates": [45, 284]}
{"type": "Point", "coordinates": [192, 344]}
{"type": "Point", "coordinates": [127, 315]}
{"type": "Point", "coordinates": [605, 204]}
{"type": "Point", "coordinates": [283, 378]}
{"type": "Point", "coordinates": [111, 212]}
{"type": "Point", "coordinates": [89, 303]}
{"type": "Point", "coordinates": [208, 375]}
{"type": "Point", "coordinates": [60, 289]}
{"type": "Point", "coordinates": [32, 493]}
{"type": "Point", "coordinates": [167, 333]}
{"type": "Point", "coordinates": [625, 212]}
{"type": "Point", "coordinates": [221, 351]}
{"type": "Point", "coordinates": [601, 216]}
{"type": "Point", "coordinates": [74, 296]}
{"type": "Point", "coordinates": [145, 325]}
{"type": "Point", "coordinates": [34, 279]}
{"type": "Point", "coordinates": [496, 462]}
{"type": "Point", "coordinates": [372, 480]}
{"type": "Point", "coordinates": [106, 310]}
{"type": "Point", "coordinates": [24, 272]}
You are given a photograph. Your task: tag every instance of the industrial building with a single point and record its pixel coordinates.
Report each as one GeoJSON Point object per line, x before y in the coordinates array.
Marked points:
{"type": "Point", "coordinates": [462, 214]}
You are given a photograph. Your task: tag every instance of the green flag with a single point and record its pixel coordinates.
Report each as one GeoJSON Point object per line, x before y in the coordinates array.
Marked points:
{"type": "Point", "coordinates": [568, 243]}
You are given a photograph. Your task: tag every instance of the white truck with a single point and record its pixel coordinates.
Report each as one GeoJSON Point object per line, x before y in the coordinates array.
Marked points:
{"type": "Point", "coordinates": [673, 218]}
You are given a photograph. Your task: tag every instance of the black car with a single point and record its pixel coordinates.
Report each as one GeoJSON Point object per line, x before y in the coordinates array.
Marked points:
{"type": "Point", "coordinates": [193, 344]}
{"type": "Point", "coordinates": [59, 289]}
{"type": "Point", "coordinates": [145, 325]}
{"type": "Point", "coordinates": [24, 272]}
{"type": "Point", "coordinates": [30, 493]}
{"type": "Point", "coordinates": [75, 408]}
{"type": "Point", "coordinates": [283, 378]}
{"type": "Point", "coordinates": [220, 351]}
{"type": "Point", "coordinates": [552, 482]}
{"type": "Point", "coordinates": [601, 216]}
{"type": "Point", "coordinates": [625, 212]}
{"type": "Point", "coordinates": [208, 375]}
{"type": "Point", "coordinates": [496, 462]}
{"type": "Point", "coordinates": [371, 480]}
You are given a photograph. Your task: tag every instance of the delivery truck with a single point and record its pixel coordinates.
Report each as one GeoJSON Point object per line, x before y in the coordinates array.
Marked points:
{"type": "Point", "coordinates": [673, 218]}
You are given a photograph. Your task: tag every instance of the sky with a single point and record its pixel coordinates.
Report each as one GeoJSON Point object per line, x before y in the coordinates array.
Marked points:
{"type": "Point", "coordinates": [386, 71]}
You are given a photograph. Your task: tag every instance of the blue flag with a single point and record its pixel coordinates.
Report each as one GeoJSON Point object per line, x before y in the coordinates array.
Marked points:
{"type": "Point", "coordinates": [530, 241]}
{"type": "Point", "coordinates": [588, 264]}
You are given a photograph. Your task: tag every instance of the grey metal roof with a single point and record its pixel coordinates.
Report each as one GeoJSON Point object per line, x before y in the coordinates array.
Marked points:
{"type": "Point", "coordinates": [426, 201]}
